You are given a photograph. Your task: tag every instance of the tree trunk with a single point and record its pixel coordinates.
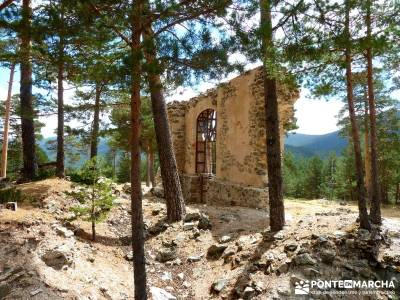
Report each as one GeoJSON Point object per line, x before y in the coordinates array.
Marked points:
{"type": "Point", "coordinates": [152, 175]}
{"type": "Point", "coordinates": [60, 128]}
{"type": "Point", "coordinates": [398, 193]}
{"type": "Point", "coordinates": [93, 230]}
{"type": "Point", "coordinates": [273, 144]}
{"type": "Point", "coordinates": [148, 167]}
{"type": "Point", "coordinates": [169, 170]}
{"type": "Point", "coordinates": [375, 193]}
{"type": "Point", "coordinates": [4, 152]}
{"type": "Point", "coordinates": [362, 204]}
{"type": "Point", "coordinates": [60, 100]}
{"type": "Point", "coordinates": [136, 194]}
{"type": "Point", "coordinates": [27, 111]}
{"type": "Point", "coordinates": [96, 123]}
{"type": "Point", "coordinates": [92, 213]}
{"type": "Point", "coordinates": [367, 150]}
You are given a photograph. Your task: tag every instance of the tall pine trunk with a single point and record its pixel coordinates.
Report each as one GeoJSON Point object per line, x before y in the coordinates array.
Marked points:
{"type": "Point", "coordinates": [148, 179]}
{"type": "Point", "coordinates": [4, 150]}
{"type": "Point", "coordinates": [60, 116]}
{"type": "Point", "coordinates": [27, 111]}
{"type": "Point", "coordinates": [60, 100]}
{"type": "Point", "coordinates": [375, 193]}
{"type": "Point", "coordinates": [367, 150]}
{"type": "Point", "coordinates": [273, 144]}
{"type": "Point", "coordinates": [152, 175]}
{"type": "Point", "coordinates": [169, 170]}
{"type": "Point", "coordinates": [94, 139]}
{"type": "Point", "coordinates": [139, 266]}
{"type": "Point", "coordinates": [362, 203]}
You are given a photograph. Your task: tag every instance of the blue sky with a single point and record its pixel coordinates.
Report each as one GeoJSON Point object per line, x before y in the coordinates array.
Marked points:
{"type": "Point", "coordinates": [313, 116]}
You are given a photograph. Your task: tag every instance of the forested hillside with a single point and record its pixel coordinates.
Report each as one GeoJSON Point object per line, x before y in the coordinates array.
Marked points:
{"type": "Point", "coordinates": [315, 145]}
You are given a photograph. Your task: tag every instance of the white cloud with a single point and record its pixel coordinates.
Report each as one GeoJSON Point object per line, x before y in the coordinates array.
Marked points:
{"type": "Point", "coordinates": [316, 116]}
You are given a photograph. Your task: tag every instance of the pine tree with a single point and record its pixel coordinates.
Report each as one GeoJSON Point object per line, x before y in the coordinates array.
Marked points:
{"type": "Point", "coordinates": [27, 109]}
{"type": "Point", "coordinates": [4, 150]}
{"type": "Point", "coordinates": [273, 151]}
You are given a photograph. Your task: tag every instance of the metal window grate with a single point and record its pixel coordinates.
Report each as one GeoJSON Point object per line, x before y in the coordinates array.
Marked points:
{"type": "Point", "coordinates": [206, 142]}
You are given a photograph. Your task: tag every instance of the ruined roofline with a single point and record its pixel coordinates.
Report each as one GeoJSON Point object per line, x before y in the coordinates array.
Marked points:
{"type": "Point", "coordinates": [289, 94]}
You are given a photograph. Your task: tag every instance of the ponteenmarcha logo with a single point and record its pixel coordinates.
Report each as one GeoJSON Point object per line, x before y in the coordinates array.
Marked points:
{"type": "Point", "coordinates": [302, 287]}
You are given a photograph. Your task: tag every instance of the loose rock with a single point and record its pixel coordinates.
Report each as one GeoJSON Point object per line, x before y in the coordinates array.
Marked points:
{"type": "Point", "coordinates": [160, 294]}
{"type": "Point", "coordinates": [215, 251]}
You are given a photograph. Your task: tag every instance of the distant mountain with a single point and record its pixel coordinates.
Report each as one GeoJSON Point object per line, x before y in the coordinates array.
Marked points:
{"type": "Point", "coordinates": [49, 144]}
{"type": "Point", "coordinates": [309, 145]}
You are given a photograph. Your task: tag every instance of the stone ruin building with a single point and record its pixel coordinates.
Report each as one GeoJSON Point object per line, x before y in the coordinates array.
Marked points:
{"type": "Point", "coordinates": [219, 141]}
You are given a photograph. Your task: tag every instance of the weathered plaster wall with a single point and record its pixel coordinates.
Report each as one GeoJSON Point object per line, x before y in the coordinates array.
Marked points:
{"type": "Point", "coordinates": [240, 156]}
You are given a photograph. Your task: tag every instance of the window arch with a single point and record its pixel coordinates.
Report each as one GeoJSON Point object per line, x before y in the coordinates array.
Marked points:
{"type": "Point", "coordinates": [206, 134]}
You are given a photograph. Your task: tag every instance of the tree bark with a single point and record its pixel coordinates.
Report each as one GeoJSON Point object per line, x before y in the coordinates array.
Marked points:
{"type": "Point", "coordinates": [169, 170]}
{"type": "Point", "coordinates": [148, 167]}
{"type": "Point", "coordinates": [152, 175]}
{"type": "Point", "coordinates": [273, 144]}
{"type": "Point", "coordinates": [27, 111]}
{"type": "Point", "coordinates": [96, 123]}
{"type": "Point", "coordinates": [362, 204]}
{"type": "Point", "coordinates": [136, 194]}
{"type": "Point", "coordinates": [375, 193]}
{"type": "Point", "coordinates": [5, 4]}
{"type": "Point", "coordinates": [60, 128]}
{"type": "Point", "coordinates": [398, 193]}
{"type": "Point", "coordinates": [4, 152]}
{"type": "Point", "coordinates": [60, 172]}
{"type": "Point", "coordinates": [367, 150]}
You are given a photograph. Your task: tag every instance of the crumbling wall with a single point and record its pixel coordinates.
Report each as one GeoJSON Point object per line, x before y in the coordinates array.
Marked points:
{"type": "Point", "coordinates": [241, 165]}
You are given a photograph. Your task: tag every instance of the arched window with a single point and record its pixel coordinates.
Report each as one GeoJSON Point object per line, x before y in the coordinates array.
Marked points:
{"type": "Point", "coordinates": [206, 142]}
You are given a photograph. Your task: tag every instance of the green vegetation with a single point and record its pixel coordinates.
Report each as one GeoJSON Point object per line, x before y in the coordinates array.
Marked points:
{"type": "Point", "coordinates": [94, 194]}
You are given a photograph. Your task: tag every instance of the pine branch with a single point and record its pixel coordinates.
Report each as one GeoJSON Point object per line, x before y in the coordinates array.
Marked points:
{"type": "Point", "coordinates": [5, 4]}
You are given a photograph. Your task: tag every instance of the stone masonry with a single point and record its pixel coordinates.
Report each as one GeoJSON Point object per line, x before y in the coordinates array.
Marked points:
{"type": "Point", "coordinates": [241, 164]}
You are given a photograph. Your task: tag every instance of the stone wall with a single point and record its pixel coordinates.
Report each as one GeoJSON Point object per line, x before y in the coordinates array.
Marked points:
{"type": "Point", "coordinates": [219, 192]}
{"type": "Point", "coordinates": [241, 166]}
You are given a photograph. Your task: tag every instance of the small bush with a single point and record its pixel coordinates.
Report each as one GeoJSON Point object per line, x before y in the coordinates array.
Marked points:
{"type": "Point", "coordinates": [10, 194]}
{"type": "Point", "coordinates": [95, 196]}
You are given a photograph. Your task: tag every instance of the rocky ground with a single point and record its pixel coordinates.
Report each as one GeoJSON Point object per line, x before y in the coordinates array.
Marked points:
{"type": "Point", "coordinates": [216, 253]}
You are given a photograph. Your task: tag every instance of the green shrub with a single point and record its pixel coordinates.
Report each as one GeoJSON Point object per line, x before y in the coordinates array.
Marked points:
{"type": "Point", "coordinates": [95, 195]}
{"type": "Point", "coordinates": [10, 194]}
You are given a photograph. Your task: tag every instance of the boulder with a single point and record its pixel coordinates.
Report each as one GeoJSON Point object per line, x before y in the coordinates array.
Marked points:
{"type": "Point", "coordinates": [166, 276]}
{"type": "Point", "coordinates": [157, 228]}
{"type": "Point", "coordinates": [194, 258]}
{"type": "Point", "coordinates": [192, 216]}
{"type": "Point", "coordinates": [328, 256]}
{"type": "Point", "coordinates": [126, 188]}
{"type": "Point", "coordinates": [304, 259]}
{"type": "Point", "coordinates": [58, 258]}
{"type": "Point", "coordinates": [311, 273]}
{"type": "Point", "coordinates": [166, 254]}
{"type": "Point", "coordinates": [248, 293]}
{"type": "Point", "coordinates": [195, 233]}
{"type": "Point", "coordinates": [216, 251]}
{"type": "Point", "coordinates": [4, 290]}
{"type": "Point", "coordinates": [204, 222]}
{"type": "Point", "coordinates": [291, 247]}
{"type": "Point", "coordinates": [157, 191]}
{"type": "Point", "coordinates": [219, 285]}
{"type": "Point", "coordinates": [225, 239]}
{"type": "Point", "coordinates": [64, 232]}
{"type": "Point", "coordinates": [129, 256]}
{"type": "Point", "coordinates": [188, 226]}
{"type": "Point", "coordinates": [160, 294]}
